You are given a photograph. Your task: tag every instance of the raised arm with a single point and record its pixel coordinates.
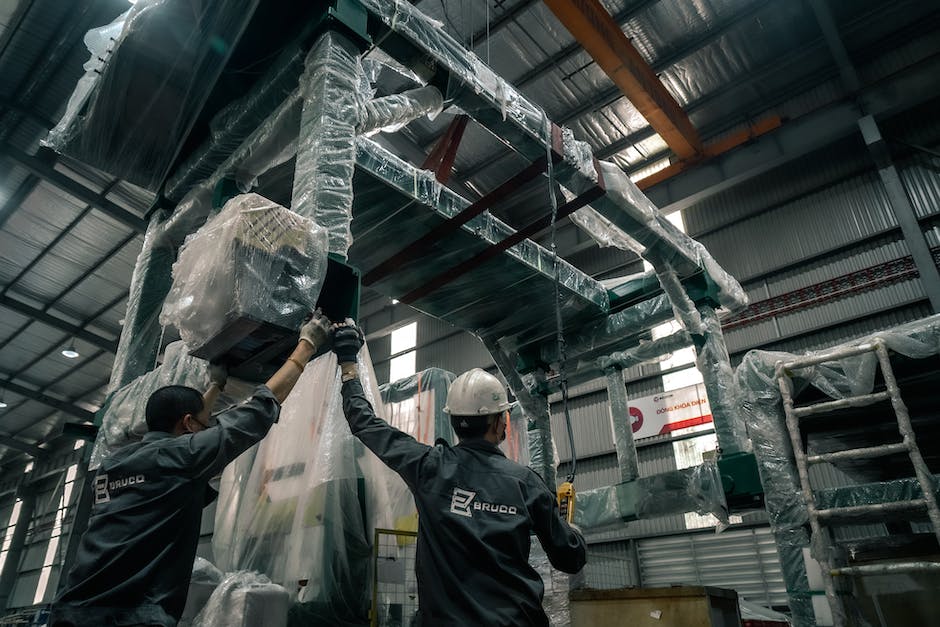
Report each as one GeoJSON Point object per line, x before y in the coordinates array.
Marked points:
{"type": "Point", "coordinates": [398, 450]}
{"type": "Point", "coordinates": [243, 425]}
{"type": "Point", "coordinates": [313, 335]}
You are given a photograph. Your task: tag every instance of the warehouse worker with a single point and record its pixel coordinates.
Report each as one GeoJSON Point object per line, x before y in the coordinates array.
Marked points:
{"type": "Point", "coordinates": [477, 509]}
{"type": "Point", "coordinates": [135, 560]}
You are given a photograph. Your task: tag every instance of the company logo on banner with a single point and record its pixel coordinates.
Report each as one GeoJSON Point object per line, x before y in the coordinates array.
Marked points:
{"type": "Point", "coordinates": [669, 411]}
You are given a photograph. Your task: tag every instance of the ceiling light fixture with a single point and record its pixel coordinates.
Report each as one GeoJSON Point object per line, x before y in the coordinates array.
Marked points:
{"type": "Point", "coordinates": [69, 351]}
{"type": "Point", "coordinates": [3, 403]}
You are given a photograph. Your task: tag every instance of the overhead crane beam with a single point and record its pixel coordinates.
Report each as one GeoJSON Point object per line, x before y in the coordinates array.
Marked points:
{"type": "Point", "coordinates": [595, 29]}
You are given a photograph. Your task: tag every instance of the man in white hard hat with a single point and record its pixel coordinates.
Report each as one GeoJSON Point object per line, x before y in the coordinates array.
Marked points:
{"type": "Point", "coordinates": [477, 509]}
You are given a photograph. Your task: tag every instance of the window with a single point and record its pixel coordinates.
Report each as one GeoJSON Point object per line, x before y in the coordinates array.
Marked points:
{"type": "Point", "coordinates": [52, 549]}
{"type": "Point", "coordinates": [7, 534]}
{"type": "Point", "coordinates": [403, 342]}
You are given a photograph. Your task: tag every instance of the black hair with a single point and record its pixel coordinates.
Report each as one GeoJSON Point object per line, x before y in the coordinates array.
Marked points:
{"type": "Point", "coordinates": [169, 404]}
{"type": "Point", "coordinates": [469, 427]}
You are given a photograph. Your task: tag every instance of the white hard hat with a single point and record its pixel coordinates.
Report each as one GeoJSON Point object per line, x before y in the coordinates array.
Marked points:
{"type": "Point", "coordinates": [476, 393]}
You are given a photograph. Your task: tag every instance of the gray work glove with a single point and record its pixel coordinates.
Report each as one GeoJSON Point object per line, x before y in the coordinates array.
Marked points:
{"type": "Point", "coordinates": [347, 340]}
{"type": "Point", "coordinates": [316, 331]}
{"type": "Point", "coordinates": [218, 375]}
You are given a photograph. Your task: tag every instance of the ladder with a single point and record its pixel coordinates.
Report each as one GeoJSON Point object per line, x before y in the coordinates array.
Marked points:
{"type": "Point", "coordinates": [821, 519]}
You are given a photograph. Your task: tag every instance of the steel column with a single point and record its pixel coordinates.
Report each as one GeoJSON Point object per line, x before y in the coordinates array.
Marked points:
{"type": "Point", "coordinates": [326, 149]}
{"type": "Point", "coordinates": [903, 210]}
{"type": "Point", "coordinates": [621, 425]}
{"type": "Point", "coordinates": [897, 196]}
{"type": "Point", "coordinates": [141, 336]}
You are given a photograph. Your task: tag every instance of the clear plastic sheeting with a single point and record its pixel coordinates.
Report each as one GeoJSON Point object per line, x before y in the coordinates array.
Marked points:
{"type": "Point", "coordinates": [331, 88]}
{"type": "Point", "coordinates": [557, 586]}
{"type": "Point", "coordinates": [421, 185]}
{"type": "Point", "coordinates": [205, 579]}
{"type": "Point", "coordinates": [415, 405]}
{"type": "Point", "coordinates": [301, 506]}
{"type": "Point", "coordinates": [696, 489]}
{"type": "Point", "coordinates": [245, 599]}
{"type": "Point", "coordinates": [624, 324]}
{"type": "Point", "coordinates": [766, 425]}
{"type": "Point", "coordinates": [100, 42]}
{"type": "Point", "coordinates": [713, 362]}
{"type": "Point", "coordinates": [391, 113]}
{"type": "Point", "coordinates": [255, 260]}
{"type": "Point", "coordinates": [404, 18]}
{"type": "Point", "coordinates": [646, 351]}
{"type": "Point", "coordinates": [516, 444]}
{"type": "Point", "coordinates": [605, 233]}
{"type": "Point", "coordinates": [578, 154]}
{"type": "Point", "coordinates": [123, 419]}
{"type": "Point", "coordinates": [142, 334]}
{"type": "Point", "coordinates": [152, 88]}
{"type": "Point", "coordinates": [621, 425]}
{"type": "Point", "coordinates": [648, 230]}
{"type": "Point", "coordinates": [754, 612]}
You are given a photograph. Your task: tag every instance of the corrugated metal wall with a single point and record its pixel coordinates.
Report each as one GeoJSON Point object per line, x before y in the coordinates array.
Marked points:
{"type": "Point", "coordinates": [745, 560]}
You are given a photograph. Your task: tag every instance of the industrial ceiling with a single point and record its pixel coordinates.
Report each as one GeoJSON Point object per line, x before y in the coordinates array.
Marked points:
{"type": "Point", "coordinates": [69, 235]}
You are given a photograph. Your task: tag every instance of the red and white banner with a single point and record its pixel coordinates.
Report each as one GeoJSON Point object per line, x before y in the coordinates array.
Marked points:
{"type": "Point", "coordinates": [669, 411]}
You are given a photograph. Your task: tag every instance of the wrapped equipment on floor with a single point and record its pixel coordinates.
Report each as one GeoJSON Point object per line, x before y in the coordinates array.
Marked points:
{"type": "Point", "coordinates": [245, 599]}
{"type": "Point", "coordinates": [301, 506]}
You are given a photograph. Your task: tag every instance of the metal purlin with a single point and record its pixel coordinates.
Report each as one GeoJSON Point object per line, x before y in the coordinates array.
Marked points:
{"type": "Point", "coordinates": [821, 540]}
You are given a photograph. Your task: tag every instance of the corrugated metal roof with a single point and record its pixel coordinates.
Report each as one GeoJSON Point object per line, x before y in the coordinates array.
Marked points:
{"type": "Point", "coordinates": [728, 61]}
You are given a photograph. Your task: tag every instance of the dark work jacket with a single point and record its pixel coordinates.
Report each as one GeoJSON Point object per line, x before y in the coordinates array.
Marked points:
{"type": "Point", "coordinates": [135, 559]}
{"type": "Point", "coordinates": [476, 511]}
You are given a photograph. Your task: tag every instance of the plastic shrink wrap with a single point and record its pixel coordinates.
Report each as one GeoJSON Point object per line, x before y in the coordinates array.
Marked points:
{"type": "Point", "coordinates": [766, 425]}
{"type": "Point", "coordinates": [557, 584]}
{"type": "Point", "coordinates": [415, 405]}
{"type": "Point", "coordinates": [516, 444]}
{"type": "Point", "coordinates": [256, 260]}
{"type": "Point", "coordinates": [301, 506]}
{"type": "Point", "coordinates": [205, 579]}
{"type": "Point", "coordinates": [391, 113]}
{"type": "Point", "coordinates": [695, 489]}
{"type": "Point", "coordinates": [152, 86]}
{"type": "Point", "coordinates": [123, 419]}
{"type": "Point", "coordinates": [332, 92]}
{"type": "Point", "coordinates": [100, 42]}
{"type": "Point", "coordinates": [245, 599]}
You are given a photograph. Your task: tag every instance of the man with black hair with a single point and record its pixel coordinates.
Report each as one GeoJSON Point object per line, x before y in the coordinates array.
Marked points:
{"type": "Point", "coordinates": [135, 559]}
{"type": "Point", "coordinates": [476, 508]}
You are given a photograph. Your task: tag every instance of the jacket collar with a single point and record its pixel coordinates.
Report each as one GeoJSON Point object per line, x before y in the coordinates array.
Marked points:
{"type": "Point", "coordinates": [151, 436]}
{"type": "Point", "coordinates": [481, 444]}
